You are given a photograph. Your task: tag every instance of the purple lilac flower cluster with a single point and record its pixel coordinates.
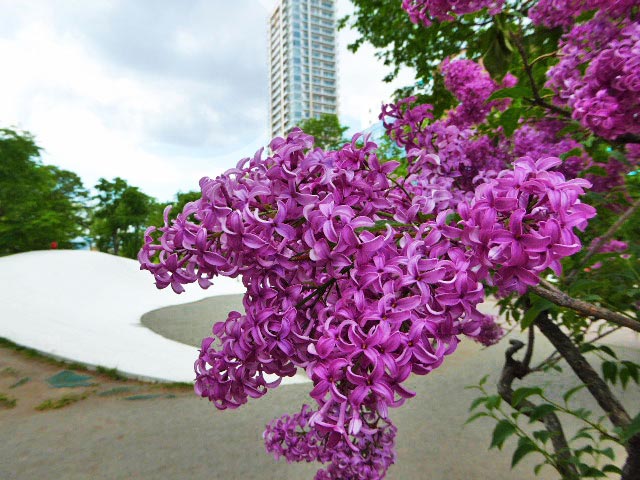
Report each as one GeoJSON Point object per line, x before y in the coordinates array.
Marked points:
{"type": "Point", "coordinates": [405, 122]}
{"type": "Point", "coordinates": [356, 278]}
{"type": "Point", "coordinates": [368, 458]}
{"type": "Point", "coordinates": [523, 222]}
{"type": "Point", "coordinates": [446, 159]}
{"type": "Point", "coordinates": [606, 97]}
{"type": "Point", "coordinates": [425, 11]}
{"type": "Point", "coordinates": [544, 138]}
{"type": "Point", "coordinates": [490, 331]}
{"type": "Point", "coordinates": [346, 276]}
{"type": "Point", "coordinates": [452, 165]}
{"type": "Point", "coordinates": [563, 13]}
{"type": "Point", "coordinates": [472, 86]}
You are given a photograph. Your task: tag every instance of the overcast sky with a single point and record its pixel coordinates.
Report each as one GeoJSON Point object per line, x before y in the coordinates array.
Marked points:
{"type": "Point", "coordinates": [158, 92]}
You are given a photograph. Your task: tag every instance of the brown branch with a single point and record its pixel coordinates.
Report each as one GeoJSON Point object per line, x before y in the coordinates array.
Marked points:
{"type": "Point", "coordinates": [516, 369]}
{"type": "Point", "coordinates": [526, 361]}
{"type": "Point", "coordinates": [584, 308]}
{"type": "Point", "coordinates": [595, 248]}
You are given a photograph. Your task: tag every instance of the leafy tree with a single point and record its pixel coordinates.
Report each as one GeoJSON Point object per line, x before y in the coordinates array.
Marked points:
{"type": "Point", "coordinates": [401, 43]}
{"type": "Point", "coordinates": [120, 216]}
{"type": "Point", "coordinates": [326, 130]}
{"type": "Point", "coordinates": [39, 204]}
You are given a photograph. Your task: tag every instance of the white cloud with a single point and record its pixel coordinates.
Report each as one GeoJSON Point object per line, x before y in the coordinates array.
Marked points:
{"type": "Point", "coordinates": [159, 96]}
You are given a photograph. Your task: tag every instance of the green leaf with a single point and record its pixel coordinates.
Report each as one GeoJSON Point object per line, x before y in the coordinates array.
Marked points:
{"type": "Point", "coordinates": [476, 402]}
{"type": "Point", "coordinates": [512, 92]}
{"type": "Point", "coordinates": [476, 416]}
{"type": "Point", "coordinates": [582, 413]}
{"type": "Point", "coordinates": [583, 434]}
{"type": "Point", "coordinates": [633, 370]}
{"type": "Point", "coordinates": [608, 351]}
{"type": "Point", "coordinates": [538, 305]}
{"type": "Point", "coordinates": [498, 57]}
{"type": "Point", "coordinates": [540, 411]}
{"type": "Point", "coordinates": [524, 392]}
{"type": "Point", "coordinates": [587, 347]}
{"type": "Point", "coordinates": [542, 435]}
{"type": "Point", "coordinates": [590, 472]}
{"type": "Point", "coordinates": [609, 453]}
{"type": "Point", "coordinates": [493, 402]}
{"type": "Point", "coordinates": [632, 429]}
{"type": "Point", "coordinates": [574, 152]}
{"type": "Point", "coordinates": [624, 376]}
{"type": "Point", "coordinates": [525, 447]}
{"type": "Point", "coordinates": [610, 371]}
{"type": "Point", "coordinates": [509, 120]}
{"type": "Point", "coordinates": [570, 128]}
{"type": "Point", "coordinates": [611, 469]}
{"type": "Point", "coordinates": [571, 392]}
{"type": "Point", "coordinates": [504, 429]}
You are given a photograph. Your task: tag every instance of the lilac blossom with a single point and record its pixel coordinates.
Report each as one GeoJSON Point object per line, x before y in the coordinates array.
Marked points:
{"type": "Point", "coordinates": [612, 246]}
{"type": "Point", "coordinates": [472, 86]}
{"type": "Point", "coordinates": [490, 331]}
{"type": "Point", "coordinates": [425, 11]}
{"type": "Point", "coordinates": [605, 98]}
{"type": "Point", "coordinates": [563, 13]}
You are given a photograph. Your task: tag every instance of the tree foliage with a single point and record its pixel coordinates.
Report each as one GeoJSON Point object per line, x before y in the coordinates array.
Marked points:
{"type": "Point", "coordinates": [120, 216]}
{"type": "Point", "coordinates": [39, 204]}
{"type": "Point", "coordinates": [326, 130]}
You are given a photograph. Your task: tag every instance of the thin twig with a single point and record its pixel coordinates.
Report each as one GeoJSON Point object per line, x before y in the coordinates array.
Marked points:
{"type": "Point", "coordinates": [537, 99]}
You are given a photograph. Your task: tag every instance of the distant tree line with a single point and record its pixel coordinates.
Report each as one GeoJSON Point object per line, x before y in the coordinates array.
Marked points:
{"type": "Point", "coordinates": [44, 207]}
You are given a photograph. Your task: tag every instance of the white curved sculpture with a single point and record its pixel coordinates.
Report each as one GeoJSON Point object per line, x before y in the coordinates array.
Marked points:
{"type": "Point", "coordinates": [86, 307]}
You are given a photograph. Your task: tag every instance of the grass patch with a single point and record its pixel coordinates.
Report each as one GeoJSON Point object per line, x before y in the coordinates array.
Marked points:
{"type": "Point", "coordinates": [20, 382]}
{"type": "Point", "coordinates": [34, 354]}
{"type": "Point", "coordinates": [7, 402]}
{"type": "Point", "coordinates": [181, 386]}
{"type": "Point", "coordinates": [112, 373]}
{"type": "Point", "coordinates": [55, 403]}
{"type": "Point", "coordinates": [9, 372]}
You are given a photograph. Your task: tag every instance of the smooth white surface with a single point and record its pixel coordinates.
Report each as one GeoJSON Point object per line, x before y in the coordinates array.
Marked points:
{"type": "Point", "coordinates": [86, 307]}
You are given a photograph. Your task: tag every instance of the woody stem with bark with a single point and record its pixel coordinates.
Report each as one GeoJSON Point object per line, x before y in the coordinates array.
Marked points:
{"type": "Point", "coordinates": [558, 297]}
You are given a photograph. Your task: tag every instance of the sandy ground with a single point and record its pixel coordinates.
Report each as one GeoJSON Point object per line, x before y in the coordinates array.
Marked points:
{"type": "Point", "coordinates": [176, 435]}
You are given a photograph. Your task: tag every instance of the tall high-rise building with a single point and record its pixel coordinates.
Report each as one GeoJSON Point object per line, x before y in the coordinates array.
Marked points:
{"type": "Point", "coordinates": [302, 64]}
